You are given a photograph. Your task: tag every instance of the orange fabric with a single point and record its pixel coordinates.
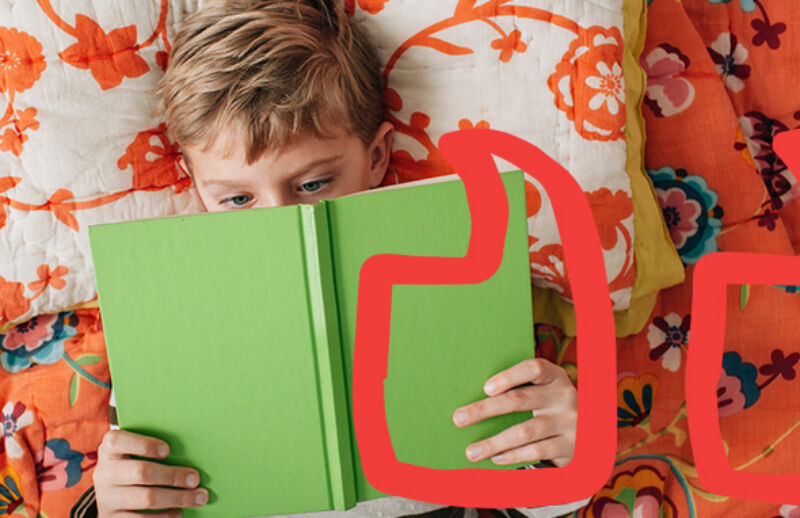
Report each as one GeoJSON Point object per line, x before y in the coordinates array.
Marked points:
{"type": "Point", "coordinates": [55, 411]}
{"type": "Point", "coordinates": [710, 123]}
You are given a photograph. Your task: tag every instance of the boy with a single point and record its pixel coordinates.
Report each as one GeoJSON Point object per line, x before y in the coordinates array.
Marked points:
{"type": "Point", "coordinates": [278, 102]}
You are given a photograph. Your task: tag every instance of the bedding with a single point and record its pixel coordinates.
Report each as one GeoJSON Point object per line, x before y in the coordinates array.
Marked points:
{"type": "Point", "coordinates": [92, 66]}
{"type": "Point", "coordinates": [718, 91]}
{"type": "Point", "coordinates": [570, 69]}
{"type": "Point", "coordinates": [721, 84]}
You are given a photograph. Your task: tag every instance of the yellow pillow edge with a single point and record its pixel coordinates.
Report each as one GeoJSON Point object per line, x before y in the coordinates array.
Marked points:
{"type": "Point", "coordinates": [657, 261]}
{"type": "Point", "coordinates": [651, 255]}
{"type": "Point", "coordinates": [91, 304]}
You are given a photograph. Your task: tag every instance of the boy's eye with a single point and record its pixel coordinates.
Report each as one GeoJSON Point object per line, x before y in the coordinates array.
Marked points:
{"type": "Point", "coordinates": [313, 186]}
{"type": "Point", "coordinates": [237, 201]}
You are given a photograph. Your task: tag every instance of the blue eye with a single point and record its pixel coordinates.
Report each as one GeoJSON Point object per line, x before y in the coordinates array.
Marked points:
{"type": "Point", "coordinates": [238, 201]}
{"type": "Point", "coordinates": [314, 186]}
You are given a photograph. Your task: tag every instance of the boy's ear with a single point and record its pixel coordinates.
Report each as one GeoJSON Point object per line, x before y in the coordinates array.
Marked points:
{"type": "Point", "coordinates": [380, 152]}
{"type": "Point", "coordinates": [183, 167]}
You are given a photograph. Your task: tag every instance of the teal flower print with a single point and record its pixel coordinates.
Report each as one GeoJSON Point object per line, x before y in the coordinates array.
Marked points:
{"type": "Point", "coordinates": [690, 211]}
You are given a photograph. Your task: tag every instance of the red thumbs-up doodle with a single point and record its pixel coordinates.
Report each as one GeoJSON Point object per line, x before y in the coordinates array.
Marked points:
{"type": "Point", "coordinates": [712, 273]}
{"type": "Point", "coordinates": [787, 146]}
{"type": "Point", "coordinates": [470, 153]}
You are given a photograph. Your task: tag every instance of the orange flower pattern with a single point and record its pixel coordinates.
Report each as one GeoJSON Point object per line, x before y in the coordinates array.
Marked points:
{"type": "Point", "coordinates": [12, 141]}
{"type": "Point", "coordinates": [21, 60]}
{"type": "Point", "coordinates": [110, 57]}
{"type": "Point", "coordinates": [549, 268]}
{"type": "Point", "coordinates": [589, 86]}
{"type": "Point", "coordinates": [153, 174]}
{"type": "Point", "coordinates": [509, 44]}
{"type": "Point", "coordinates": [13, 302]}
{"type": "Point", "coordinates": [600, 49]}
{"type": "Point", "coordinates": [370, 6]}
{"type": "Point", "coordinates": [21, 65]}
{"type": "Point", "coordinates": [47, 276]}
{"type": "Point", "coordinates": [609, 210]}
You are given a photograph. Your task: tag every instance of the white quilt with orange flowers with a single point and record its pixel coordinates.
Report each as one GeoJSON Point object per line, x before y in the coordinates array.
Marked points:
{"type": "Point", "coordinates": [79, 144]}
{"type": "Point", "coordinates": [547, 71]}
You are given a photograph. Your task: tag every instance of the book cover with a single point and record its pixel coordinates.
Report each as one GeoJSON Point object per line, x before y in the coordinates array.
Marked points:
{"type": "Point", "coordinates": [230, 335]}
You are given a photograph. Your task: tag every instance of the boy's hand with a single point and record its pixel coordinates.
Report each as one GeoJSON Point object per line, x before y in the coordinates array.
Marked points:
{"type": "Point", "coordinates": [549, 435]}
{"type": "Point", "coordinates": [124, 485]}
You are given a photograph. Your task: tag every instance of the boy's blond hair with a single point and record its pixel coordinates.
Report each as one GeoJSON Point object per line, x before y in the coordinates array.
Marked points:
{"type": "Point", "coordinates": [273, 69]}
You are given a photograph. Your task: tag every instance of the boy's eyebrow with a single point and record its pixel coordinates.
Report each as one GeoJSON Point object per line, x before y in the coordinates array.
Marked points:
{"type": "Point", "coordinates": [314, 164]}
{"type": "Point", "coordinates": [299, 171]}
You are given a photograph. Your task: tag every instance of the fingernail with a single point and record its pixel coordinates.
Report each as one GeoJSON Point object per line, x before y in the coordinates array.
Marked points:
{"type": "Point", "coordinates": [489, 387]}
{"type": "Point", "coordinates": [473, 452]}
{"type": "Point", "coordinates": [192, 479]}
{"type": "Point", "coordinates": [498, 459]}
{"type": "Point", "coordinates": [461, 417]}
{"type": "Point", "coordinates": [163, 450]}
{"type": "Point", "coordinates": [201, 497]}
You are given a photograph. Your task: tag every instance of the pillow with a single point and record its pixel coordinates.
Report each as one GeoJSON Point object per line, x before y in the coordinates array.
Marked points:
{"type": "Point", "coordinates": [79, 145]}
{"type": "Point", "coordinates": [78, 142]}
{"type": "Point", "coordinates": [560, 75]}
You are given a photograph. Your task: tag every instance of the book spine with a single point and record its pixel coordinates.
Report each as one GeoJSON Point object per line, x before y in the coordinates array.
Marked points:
{"type": "Point", "coordinates": [330, 370]}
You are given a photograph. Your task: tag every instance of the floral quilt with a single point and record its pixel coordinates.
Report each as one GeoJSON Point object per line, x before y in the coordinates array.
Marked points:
{"type": "Point", "coordinates": [720, 88]}
{"type": "Point", "coordinates": [721, 84]}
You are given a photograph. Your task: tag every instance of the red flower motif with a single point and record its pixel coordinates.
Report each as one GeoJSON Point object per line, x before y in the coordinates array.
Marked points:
{"type": "Point", "coordinates": [371, 6]}
{"type": "Point", "coordinates": [508, 44]}
{"type": "Point", "coordinates": [768, 220]}
{"type": "Point", "coordinates": [155, 174]}
{"type": "Point", "coordinates": [162, 58]}
{"type": "Point", "coordinates": [609, 210]}
{"type": "Point", "coordinates": [533, 199]}
{"type": "Point", "coordinates": [549, 265]}
{"type": "Point", "coordinates": [110, 57]}
{"type": "Point", "coordinates": [12, 141]}
{"type": "Point", "coordinates": [589, 85]}
{"type": "Point", "coordinates": [467, 124]}
{"type": "Point", "coordinates": [21, 60]}
{"type": "Point", "coordinates": [781, 365]}
{"type": "Point", "coordinates": [406, 169]}
{"type": "Point", "coordinates": [26, 119]}
{"type": "Point", "coordinates": [46, 276]}
{"type": "Point", "coordinates": [767, 33]}
{"type": "Point", "coordinates": [392, 100]}
{"type": "Point", "coordinates": [13, 303]}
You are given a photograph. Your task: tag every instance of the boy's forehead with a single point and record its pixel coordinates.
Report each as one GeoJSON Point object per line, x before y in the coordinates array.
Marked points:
{"type": "Point", "coordinates": [227, 154]}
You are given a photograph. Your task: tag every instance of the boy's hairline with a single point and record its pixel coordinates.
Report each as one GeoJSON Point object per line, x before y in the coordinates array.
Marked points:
{"type": "Point", "coordinates": [207, 145]}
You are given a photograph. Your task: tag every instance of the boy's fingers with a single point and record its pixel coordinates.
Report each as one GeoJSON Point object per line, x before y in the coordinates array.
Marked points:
{"type": "Point", "coordinates": [131, 472]}
{"type": "Point", "coordinates": [521, 434]}
{"type": "Point", "coordinates": [145, 498]}
{"type": "Point", "coordinates": [119, 443]}
{"type": "Point", "coordinates": [547, 449]}
{"type": "Point", "coordinates": [517, 400]}
{"type": "Point", "coordinates": [535, 370]}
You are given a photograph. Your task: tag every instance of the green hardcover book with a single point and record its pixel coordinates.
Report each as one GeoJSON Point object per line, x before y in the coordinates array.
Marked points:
{"type": "Point", "coordinates": [230, 335]}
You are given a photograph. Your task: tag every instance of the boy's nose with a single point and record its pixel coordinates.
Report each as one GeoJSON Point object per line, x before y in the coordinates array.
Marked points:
{"type": "Point", "coordinates": [276, 199]}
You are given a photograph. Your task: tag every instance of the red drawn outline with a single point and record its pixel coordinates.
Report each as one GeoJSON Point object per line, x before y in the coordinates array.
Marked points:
{"type": "Point", "coordinates": [709, 301]}
{"type": "Point", "coordinates": [470, 153]}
